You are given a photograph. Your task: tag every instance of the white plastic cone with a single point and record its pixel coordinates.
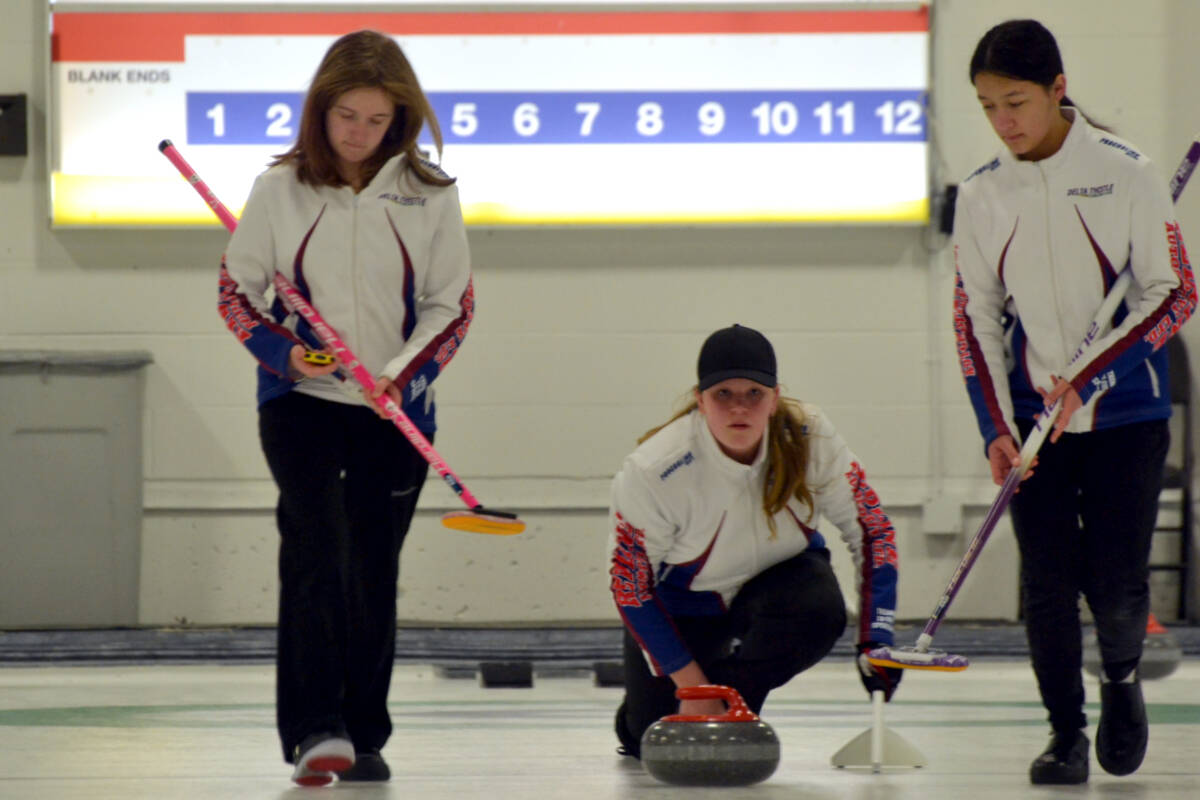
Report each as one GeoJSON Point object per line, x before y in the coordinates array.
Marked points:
{"type": "Point", "coordinates": [878, 746]}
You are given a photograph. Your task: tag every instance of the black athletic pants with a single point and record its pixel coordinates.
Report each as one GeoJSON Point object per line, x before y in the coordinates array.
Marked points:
{"type": "Point", "coordinates": [1083, 522]}
{"type": "Point", "coordinates": [348, 484]}
{"type": "Point", "coordinates": [787, 618]}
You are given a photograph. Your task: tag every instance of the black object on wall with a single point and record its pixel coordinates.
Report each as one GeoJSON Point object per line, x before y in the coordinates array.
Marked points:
{"type": "Point", "coordinates": [14, 140]}
{"type": "Point", "coordinates": [946, 222]}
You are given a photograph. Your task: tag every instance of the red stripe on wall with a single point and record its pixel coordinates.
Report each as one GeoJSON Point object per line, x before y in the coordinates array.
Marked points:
{"type": "Point", "coordinates": [158, 36]}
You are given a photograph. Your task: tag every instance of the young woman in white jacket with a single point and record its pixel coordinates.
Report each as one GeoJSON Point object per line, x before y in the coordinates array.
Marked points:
{"type": "Point", "coordinates": [1040, 234]}
{"type": "Point", "coordinates": [715, 562]}
{"type": "Point", "coordinates": [372, 235]}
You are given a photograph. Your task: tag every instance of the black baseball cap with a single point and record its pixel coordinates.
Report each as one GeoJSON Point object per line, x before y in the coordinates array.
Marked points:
{"type": "Point", "coordinates": [736, 352]}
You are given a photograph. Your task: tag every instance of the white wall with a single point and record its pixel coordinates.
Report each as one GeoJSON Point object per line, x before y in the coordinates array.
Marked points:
{"type": "Point", "coordinates": [583, 339]}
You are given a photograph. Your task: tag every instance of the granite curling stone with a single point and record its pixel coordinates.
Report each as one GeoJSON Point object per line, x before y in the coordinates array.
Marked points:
{"type": "Point", "coordinates": [731, 749]}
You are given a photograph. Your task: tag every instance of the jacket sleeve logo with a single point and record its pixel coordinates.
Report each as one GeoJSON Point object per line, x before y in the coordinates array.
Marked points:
{"type": "Point", "coordinates": [632, 580]}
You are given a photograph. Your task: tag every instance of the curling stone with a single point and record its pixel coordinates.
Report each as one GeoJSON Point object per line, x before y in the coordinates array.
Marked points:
{"type": "Point", "coordinates": [731, 749]}
{"type": "Point", "coordinates": [1161, 652]}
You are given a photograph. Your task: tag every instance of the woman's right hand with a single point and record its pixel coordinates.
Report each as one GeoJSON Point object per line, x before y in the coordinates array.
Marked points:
{"type": "Point", "coordinates": [300, 369]}
{"type": "Point", "coordinates": [709, 707]}
{"type": "Point", "coordinates": [1003, 455]}
{"type": "Point", "coordinates": [693, 675]}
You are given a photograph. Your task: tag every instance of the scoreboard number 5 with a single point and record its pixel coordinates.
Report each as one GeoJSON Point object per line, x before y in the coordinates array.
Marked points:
{"type": "Point", "coordinates": [463, 121]}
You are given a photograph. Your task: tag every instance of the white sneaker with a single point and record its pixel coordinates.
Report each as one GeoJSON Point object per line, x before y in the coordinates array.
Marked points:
{"type": "Point", "coordinates": [319, 756]}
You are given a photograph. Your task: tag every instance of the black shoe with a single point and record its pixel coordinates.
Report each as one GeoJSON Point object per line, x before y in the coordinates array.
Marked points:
{"type": "Point", "coordinates": [319, 756]}
{"type": "Point", "coordinates": [1123, 731]}
{"type": "Point", "coordinates": [1065, 760]}
{"type": "Point", "coordinates": [629, 745]}
{"type": "Point", "coordinates": [368, 766]}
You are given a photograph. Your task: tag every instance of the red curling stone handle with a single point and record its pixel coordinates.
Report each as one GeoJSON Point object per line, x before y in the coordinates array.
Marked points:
{"type": "Point", "coordinates": [737, 711]}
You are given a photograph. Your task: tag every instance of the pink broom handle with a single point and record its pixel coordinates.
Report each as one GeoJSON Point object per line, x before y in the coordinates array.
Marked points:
{"type": "Point", "coordinates": [297, 302]}
{"type": "Point", "coordinates": [189, 174]}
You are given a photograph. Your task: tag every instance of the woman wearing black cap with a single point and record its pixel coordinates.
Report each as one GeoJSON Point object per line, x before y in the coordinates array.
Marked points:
{"type": "Point", "coordinates": [716, 568]}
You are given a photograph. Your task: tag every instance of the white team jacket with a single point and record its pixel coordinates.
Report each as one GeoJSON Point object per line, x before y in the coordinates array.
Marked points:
{"type": "Point", "coordinates": [388, 268]}
{"type": "Point", "coordinates": [1044, 241]}
{"type": "Point", "coordinates": [687, 530]}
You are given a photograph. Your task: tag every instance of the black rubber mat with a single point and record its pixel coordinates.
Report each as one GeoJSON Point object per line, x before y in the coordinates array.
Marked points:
{"type": "Point", "coordinates": [450, 646]}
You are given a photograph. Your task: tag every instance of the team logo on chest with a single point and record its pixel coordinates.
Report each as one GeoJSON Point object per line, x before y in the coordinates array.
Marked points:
{"type": "Point", "coordinates": [402, 200]}
{"type": "Point", "coordinates": [687, 458]}
{"type": "Point", "coordinates": [1090, 191]}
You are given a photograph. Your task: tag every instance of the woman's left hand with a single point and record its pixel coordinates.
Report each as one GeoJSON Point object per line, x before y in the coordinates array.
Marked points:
{"type": "Point", "coordinates": [1071, 402]}
{"type": "Point", "coordinates": [383, 384]}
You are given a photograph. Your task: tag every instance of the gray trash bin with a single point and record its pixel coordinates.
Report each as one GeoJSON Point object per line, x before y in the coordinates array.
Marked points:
{"type": "Point", "coordinates": [70, 487]}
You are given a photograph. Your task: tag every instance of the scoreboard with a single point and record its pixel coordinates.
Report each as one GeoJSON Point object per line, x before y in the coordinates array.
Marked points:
{"type": "Point", "coordinates": [551, 114]}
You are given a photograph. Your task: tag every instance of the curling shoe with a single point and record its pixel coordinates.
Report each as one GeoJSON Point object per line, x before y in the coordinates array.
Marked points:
{"type": "Point", "coordinates": [1064, 762]}
{"type": "Point", "coordinates": [629, 745]}
{"type": "Point", "coordinates": [1123, 731]}
{"type": "Point", "coordinates": [319, 756]}
{"type": "Point", "coordinates": [369, 767]}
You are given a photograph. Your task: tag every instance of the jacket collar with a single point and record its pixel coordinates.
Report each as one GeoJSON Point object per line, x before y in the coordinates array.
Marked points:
{"type": "Point", "coordinates": [386, 180]}
{"type": "Point", "coordinates": [1075, 134]}
{"type": "Point", "coordinates": [387, 177]}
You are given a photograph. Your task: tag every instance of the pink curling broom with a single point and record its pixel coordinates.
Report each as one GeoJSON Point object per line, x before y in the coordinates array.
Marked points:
{"type": "Point", "coordinates": [476, 519]}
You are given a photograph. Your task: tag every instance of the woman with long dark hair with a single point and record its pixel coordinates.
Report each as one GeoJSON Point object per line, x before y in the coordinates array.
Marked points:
{"type": "Point", "coordinates": [1040, 234]}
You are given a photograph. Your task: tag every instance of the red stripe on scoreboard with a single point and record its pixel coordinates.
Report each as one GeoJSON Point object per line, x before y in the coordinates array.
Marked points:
{"type": "Point", "coordinates": [159, 36]}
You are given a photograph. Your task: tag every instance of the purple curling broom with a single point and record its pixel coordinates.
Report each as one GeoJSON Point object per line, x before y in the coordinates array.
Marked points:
{"type": "Point", "coordinates": [920, 656]}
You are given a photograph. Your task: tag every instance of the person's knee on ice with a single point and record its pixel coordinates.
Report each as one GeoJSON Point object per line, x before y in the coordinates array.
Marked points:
{"type": "Point", "coordinates": [713, 518]}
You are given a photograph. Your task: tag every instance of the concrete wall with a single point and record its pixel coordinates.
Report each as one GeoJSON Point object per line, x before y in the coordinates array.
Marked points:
{"type": "Point", "coordinates": [583, 339]}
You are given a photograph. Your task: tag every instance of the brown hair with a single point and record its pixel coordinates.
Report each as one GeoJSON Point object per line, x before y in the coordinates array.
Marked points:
{"type": "Point", "coordinates": [364, 59]}
{"type": "Point", "coordinates": [787, 456]}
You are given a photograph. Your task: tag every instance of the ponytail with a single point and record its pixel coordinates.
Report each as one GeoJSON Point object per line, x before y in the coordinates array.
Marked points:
{"type": "Point", "coordinates": [1066, 101]}
{"type": "Point", "coordinates": [787, 461]}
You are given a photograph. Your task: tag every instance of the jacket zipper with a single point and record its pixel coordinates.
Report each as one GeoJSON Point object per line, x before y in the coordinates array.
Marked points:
{"type": "Point", "coordinates": [1054, 277]}
{"type": "Point", "coordinates": [752, 501]}
{"type": "Point", "coordinates": [354, 266]}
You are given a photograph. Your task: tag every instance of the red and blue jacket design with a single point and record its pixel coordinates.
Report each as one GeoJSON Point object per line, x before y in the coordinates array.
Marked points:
{"type": "Point", "coordinates": [1037, 247]}
{"type": "Point", "coordinates": [687, 530]}
{"type": "Point", "coordinates": [388, 268]}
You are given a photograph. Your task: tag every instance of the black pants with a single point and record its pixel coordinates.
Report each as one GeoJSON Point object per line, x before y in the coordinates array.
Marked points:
{"type": "Point", "coordinates": [787, 618]}
{"type": "Point", "coordinates": [1083, 522]}
{"type": "Point", "coordinates": [348, 484]}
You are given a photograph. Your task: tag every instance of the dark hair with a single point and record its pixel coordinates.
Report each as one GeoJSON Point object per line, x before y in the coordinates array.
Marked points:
{"type": "Point", "coordinates": [364, 59]}
{"type": "Point", "coordinates": [1022, 50]}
